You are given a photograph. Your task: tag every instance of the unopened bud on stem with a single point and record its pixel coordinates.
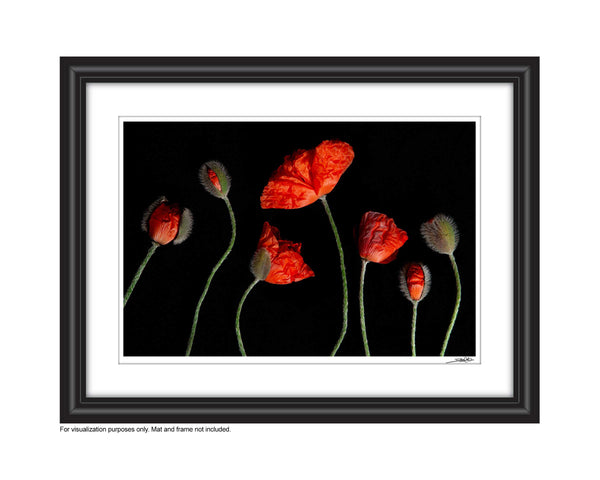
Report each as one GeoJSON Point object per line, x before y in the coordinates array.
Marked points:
{"type": "Point", "coordinates": [441, 234]}
{"type": "Point", "coordinates": [215, 179]}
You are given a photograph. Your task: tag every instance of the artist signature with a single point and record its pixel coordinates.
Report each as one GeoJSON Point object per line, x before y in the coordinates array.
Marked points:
{"type": "Point", "coordinates": [462, 360]}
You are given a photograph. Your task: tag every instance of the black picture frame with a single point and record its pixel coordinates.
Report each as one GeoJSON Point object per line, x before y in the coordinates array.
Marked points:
{"type": "Point", "coordinates": [520, 72]}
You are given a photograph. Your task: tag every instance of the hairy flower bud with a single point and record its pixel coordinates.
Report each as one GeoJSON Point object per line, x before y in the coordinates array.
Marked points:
{"type": "Point", "coordinates": [215, 179]}
{"type": "Point", "coordinates": [441, 234]}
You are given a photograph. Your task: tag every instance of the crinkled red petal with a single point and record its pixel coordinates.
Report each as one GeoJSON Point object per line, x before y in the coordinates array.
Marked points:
{"type": "Point", "coordinates": [332, 158]}
{"type": "Point", "coordinates": [379, 238]}
{"type": "Point", "coordinates": [290, 185]}
{"type": "Point", "coordinates": [288, 267]}
{"type": "Point", "coordinates": [269, 239]}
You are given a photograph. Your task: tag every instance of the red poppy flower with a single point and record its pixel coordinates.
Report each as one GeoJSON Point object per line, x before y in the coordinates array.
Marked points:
{"type": "Point", "coordinates": [287, 265]}
{"type": "Point", "coordinates": [167, 222]}
{"type": "Point", "coordinates": [379, 238]}
{"type": "Point", "coordinates": [307, 175]}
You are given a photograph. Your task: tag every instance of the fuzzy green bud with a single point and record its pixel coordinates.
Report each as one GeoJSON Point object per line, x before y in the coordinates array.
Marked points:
{"type": "Point", "coordinates": [441, 234]}
{"type": "Point", "coordinates": [215, 179]}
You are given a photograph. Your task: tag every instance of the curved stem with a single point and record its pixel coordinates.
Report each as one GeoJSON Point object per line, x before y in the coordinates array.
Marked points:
{"type": "Point", "coordinates": [210, 277]}
{"type": "Point", "coordinates": [344, 280]}
{"type": "Point", "coordinates": [455, 313]}
{"type": "Point", "coordinates": [138, 274]}
{"type": "Point", "coordinates": [237, 317]}
{"type": "Point", "coordinates": [414, 330]}
{"type": "Point", "coordinates": [361, 295]}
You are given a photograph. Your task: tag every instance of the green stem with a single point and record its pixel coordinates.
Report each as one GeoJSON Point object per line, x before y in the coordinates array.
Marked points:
{"type": "Point", "coordinates": [237, 317]}
{"type": "Point", "coordinates": [455, 313]}
{"type": "Point", "coordinates": [210, 277]}
{"type": "Point", "coordinates": [344, 280]}
{"type": "Point", "coordinates": [361, 294]}
{"type": "Point", "coordinates": [138, 274]}
{"type": "Point", "coordinates": [414, 330]}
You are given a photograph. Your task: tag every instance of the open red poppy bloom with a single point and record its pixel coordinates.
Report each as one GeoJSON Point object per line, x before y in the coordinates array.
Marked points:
{"type": "Point", "coordinates": [287, 265]}
{"type": "Point", "coordinates": [163, 224]}
{"type": "Point", "coordinates": [307, 175]}
{"type": "Point", "coordinates": [379, 238]}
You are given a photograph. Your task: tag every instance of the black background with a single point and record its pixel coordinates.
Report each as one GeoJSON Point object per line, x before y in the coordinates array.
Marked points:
{"type": "Point", "coordinates": [409, 171]}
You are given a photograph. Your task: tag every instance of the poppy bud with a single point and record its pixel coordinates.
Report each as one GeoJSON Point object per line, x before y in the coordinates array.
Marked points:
{"type": "Point", "coordinates": [215, 179]}
{"type": "Point", "coordinates": [260, 265]}
{"type": "Point", "coordinates": [167, 222]}
{"type": "Point", "coordinates": [415, 281]}
{"type": "Point", "coordinates": [441, 234]}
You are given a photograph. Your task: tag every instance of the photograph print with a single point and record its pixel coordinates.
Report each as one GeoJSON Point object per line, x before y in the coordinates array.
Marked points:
{"type": "Point", "coordinates": [288, 237]}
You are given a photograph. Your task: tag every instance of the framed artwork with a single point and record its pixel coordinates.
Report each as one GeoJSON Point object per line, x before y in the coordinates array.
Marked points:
{"type": "Point", "coordinates": [299, 240]}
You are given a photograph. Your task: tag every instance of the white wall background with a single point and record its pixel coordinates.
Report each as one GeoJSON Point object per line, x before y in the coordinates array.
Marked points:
{"type": "Point", "coordinates": [32, 37]}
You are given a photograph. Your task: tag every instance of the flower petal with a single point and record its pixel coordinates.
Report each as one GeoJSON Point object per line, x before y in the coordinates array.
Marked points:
{"type": "Point", "coordinates": [285, 245]}
{"type": "Point", "coordinates": [288, 267]}
{"type": "Point", "coordinates": [332, 158]}
{"type": "Point", "coordinates": [269, 239]}
{"type": "Point", "coordinates": [389, 259]}
{"type": "Point", "coordinates": [290, 185]}
{"type": "Point", "coordinates": [215, 178]}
